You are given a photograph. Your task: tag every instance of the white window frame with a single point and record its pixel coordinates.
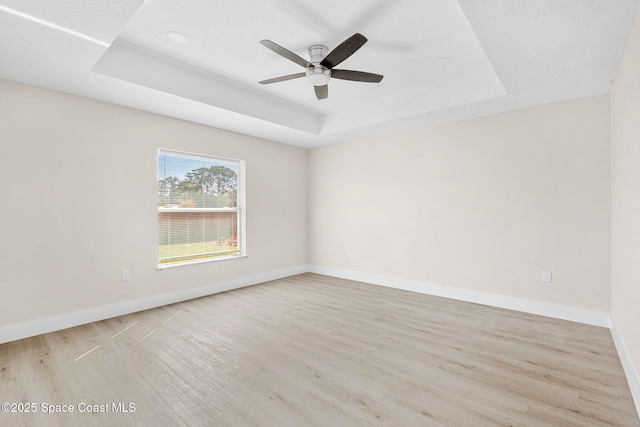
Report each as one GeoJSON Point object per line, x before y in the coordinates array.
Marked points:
{"type": "Point", "coordinates": [240, 209]}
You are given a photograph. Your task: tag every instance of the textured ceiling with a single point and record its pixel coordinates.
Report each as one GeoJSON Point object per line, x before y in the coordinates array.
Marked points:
{"type": "Point", "coordinates": [503, 55]}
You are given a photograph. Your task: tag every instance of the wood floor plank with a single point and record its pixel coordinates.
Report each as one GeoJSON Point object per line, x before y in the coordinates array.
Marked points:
{"type": "Point", "coordinates": [320, 351]}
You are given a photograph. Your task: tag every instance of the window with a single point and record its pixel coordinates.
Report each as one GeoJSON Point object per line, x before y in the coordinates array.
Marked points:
{"type": "Point", "coordinates": [200, 208]}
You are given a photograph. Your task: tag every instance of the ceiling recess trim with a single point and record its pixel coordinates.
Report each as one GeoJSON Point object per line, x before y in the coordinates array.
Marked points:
{"type": "Point", "coordinates": [135, 64]}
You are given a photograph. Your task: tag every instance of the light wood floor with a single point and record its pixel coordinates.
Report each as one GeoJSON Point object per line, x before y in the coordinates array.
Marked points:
{"type": "Point", "coordinates": [313, 350]}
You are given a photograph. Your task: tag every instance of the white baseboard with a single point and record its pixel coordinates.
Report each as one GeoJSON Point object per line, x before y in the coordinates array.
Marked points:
{"type": "Point", "coordinates": [63, 321]}
{"type": "Point", "coordinates": [557, 311]}
{"type": "Point", "coordinates": [68, 320]}
{"type": "Point", "coordinates": [629, 371]}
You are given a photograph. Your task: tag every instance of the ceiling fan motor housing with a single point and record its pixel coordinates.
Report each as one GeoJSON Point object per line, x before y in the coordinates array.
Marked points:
{"type": "Point", "coordinates": [318, 75]}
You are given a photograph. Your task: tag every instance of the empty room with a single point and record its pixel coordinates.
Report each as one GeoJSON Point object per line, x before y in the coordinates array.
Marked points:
{"type": "Point", "coordinates": [299, 213]}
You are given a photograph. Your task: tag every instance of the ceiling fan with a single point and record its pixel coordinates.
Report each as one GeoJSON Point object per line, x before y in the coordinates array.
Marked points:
{"type": "Point", "coordinates": [319, 67]}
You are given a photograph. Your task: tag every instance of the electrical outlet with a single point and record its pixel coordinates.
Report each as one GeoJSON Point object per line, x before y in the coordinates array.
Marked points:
{"type": "Point", "coordinates": [638, 335]}
{"type": "Point", "coordinates": [546, 276]}
{"type": "Point", "coordinates": [126, 275]}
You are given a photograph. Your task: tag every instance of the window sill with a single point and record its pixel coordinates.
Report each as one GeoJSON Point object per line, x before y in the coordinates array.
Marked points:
{"type": "Point", "coordinates": [201, 261]}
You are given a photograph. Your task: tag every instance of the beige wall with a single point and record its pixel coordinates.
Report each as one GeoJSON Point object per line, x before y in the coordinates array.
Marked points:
{"type": "Point", "coordinates": [483, 205]}
{"type": "Point", "coordinates": [625, 188]}
{"type": "Point", "coordinates": [78, 203]}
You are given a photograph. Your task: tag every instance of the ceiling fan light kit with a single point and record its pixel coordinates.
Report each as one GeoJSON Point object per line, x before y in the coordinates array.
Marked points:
{"type": "Point", "coordinates": [319, 68]}
{"type": "Point", "coordinates": [318, 76]}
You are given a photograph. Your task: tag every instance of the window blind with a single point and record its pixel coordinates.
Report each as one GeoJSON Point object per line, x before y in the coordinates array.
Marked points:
{"type": "Point", "coordinates": [199, 216]}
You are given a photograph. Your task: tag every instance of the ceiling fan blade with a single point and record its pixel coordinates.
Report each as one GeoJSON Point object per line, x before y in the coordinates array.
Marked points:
{"type": "Point", "coordinates": [282, 78]}
{"type": "Point", "coordinates": [322, 91]}
{"type": "Point", "coordinates": [286, 53]}
{"type": "Point", "coordinates": [358, 76]}
{"type": "Point", "coordinates": [344, 50]}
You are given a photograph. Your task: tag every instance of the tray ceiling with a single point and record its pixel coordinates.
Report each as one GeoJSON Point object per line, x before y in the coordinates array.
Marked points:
{"type": "Point", "coordinates": [441, 60]}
